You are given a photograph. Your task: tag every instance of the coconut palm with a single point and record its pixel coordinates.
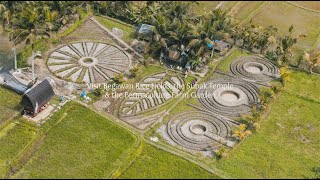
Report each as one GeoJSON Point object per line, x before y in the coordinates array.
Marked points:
{"type": "Point", "coordinates": [266, 37]}
{"type": "Point", "coordinates": [50, 18]}
{"type": "Point", "coordinates": [180, 33]}
{"type": "Point", "coordinates": [235, 33]}
{"type": "Point", "coordinates": [242, 132]}
{"type": "Point", "coordinates": [194, 62]}
{"type": "Point", "coordinates": [285, 44]}
{"type": "Point", "coordinates": [202, 37]}
{"type": "Point", "coordinates": [177, 9]}
{"type": "Point", "coordinates": [221, 23]}
{"type": "Point", "coordinates": [29, 32]}
{"type": "Point", "coordinates": [313, 59]}
{"type": "Point", "coordinates": [5, 15]}
{"type": "Point", "coordinates": [160, 33]}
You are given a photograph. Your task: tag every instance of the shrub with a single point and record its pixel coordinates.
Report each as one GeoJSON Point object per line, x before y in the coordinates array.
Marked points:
{"type": "Point", "coordinates": [133, 72]}
{"type": "Point", "coordinates": [118, 79]}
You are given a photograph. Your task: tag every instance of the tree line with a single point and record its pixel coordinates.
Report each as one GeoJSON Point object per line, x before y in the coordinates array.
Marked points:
{"type": "Point", "coordinates": [176, 26]}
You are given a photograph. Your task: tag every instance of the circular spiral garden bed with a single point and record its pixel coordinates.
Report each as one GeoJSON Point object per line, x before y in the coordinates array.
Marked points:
{"type": "Point", "coordinates": [254, 68]}
{"type": "Point", "coordinates": [199, 131]}
{"type": "Point", "coordinates": [85, 62]}
{"type": "Point", "coordinates": [236, 98]}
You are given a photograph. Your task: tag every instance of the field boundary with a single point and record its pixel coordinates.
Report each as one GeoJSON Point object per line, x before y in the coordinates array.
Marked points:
{"type": "Point", "coordinates": [302, 7]}
{"type": "Point", "coordinates": [214, 171]}
{"type": "Point", "coordinates": [255, 12]}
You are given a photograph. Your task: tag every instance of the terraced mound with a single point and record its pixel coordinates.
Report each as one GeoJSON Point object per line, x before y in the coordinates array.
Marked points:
{"type": "Point", "coordinates": [85, 62]}
{"type": "Point", "coordinates": [200, 131]}
{"type": "Point", "coordinates": [154, 91]}
{"type": "Point", "coordinates": [229, 97]}
{"type": "Point", "coordinates": [254, 68]}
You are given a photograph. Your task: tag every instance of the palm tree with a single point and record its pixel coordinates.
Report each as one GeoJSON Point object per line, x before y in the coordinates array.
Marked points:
{"type": "Point", "coordinates": [266, 37]}
{"type": "Point", "coordinates": [50, 18]}
{"type": "Point", "coordinates": [286, 43]}
{"type": "Point", "coordinates": [180, 33]}
{"type": "Point", "coordinates": [313, 59]}
{"type": "Point", "coordinates": [4, 16]}
{"type": "Point", "coordinates": [28, 32]}
{"type": "Point", "coordinates": [235, 33]}
{"type": "Point", "coordinates": [194, 62]}
{"type": "Point", "coordinates": [160, 33]}
{"type": "Point", "coordinates": [177, 9]}
{"type": "Point", "coordinates": [203, 33]}
{"type": "Point", "coordinates": [241, 132]}
{"type": "Point", "coordinates": [221, 23]}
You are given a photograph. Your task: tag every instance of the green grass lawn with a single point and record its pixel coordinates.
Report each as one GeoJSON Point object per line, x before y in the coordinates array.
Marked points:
{"type": "Point", "coordinates": [9, 104]}
{"type": "Point", "coordinates": [287, 145]}
{"type": "Point", "coordinates": [80, 144]}
{"type": "Point", "coordinates": [224, 65]}
{"type": "Point", "coordinates": [13, 138]}
{"type": "Point", "coordinates": [127, 30]}
{"type": "Point", "coordinates": [156, 163]}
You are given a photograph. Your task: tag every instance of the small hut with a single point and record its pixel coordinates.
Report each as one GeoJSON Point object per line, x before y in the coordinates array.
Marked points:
{"type": "Point", "coordinates": [174, 55]}
{"type": "Point", "coordinates": [145, 32]}
{"type": "Point", "coordinates": [34, 100]}
{"type": "Point", "coordinates": [219, 46]}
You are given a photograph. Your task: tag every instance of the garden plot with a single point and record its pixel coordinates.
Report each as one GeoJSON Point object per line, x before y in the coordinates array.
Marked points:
{"type": "Point", "coordinates": [85, 62]}
{"type": "Point", "coordinates": [314, 5]}
{"type": "Point", "coordinates": [282, 15]}
{"type": "Point", "coordinates": [13, 139]}
{"type": "Point", "coordinates": [79, 143]}
{"type": "Point", "coordinates": [88, 31]}
{"type": "Point", "coordinates": [255, 69]}
{"type": "Point", "coordinates": [9, 104]}
{"type": "Point", "coordinates": [232, 101]}
{"type": "Point", "coordinates": [154, 163]}
{"type": "Point", "coordinates": [154, 91]}
{"type": "Point", "coordinates": [200, 131]}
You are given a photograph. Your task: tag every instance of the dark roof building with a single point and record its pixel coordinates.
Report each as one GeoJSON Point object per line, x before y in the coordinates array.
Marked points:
{"type": "Point", "coordinates": [33, 99]}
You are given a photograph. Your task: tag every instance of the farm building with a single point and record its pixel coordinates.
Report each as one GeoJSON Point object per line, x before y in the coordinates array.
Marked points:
{"type": "Point", "coordinates": [145, 31]}
{"type": "Point", "coordinates": [34, 100]}
{"type": "Point", "coordinates": [219, 46]}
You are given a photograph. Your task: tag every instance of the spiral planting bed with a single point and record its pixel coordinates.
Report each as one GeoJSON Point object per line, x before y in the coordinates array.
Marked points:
{"type": "Point", "coordinates": [86, 62]}
{"type": "Point", "coordinates": [229, 97]}
{"type": "Point", "coordinates": [153, 91]}
{"type": "Point", "coordinates": [200, 131]}
{"type": "Point", "coordinates": [254, 68]}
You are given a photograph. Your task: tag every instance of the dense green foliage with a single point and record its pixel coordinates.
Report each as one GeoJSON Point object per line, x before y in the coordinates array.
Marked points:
{"type": "Point", "coordinates": [177, 28]}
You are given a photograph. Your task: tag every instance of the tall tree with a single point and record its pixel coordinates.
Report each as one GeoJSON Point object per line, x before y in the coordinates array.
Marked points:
{"type": "Point", "coordinates": [50, 18]}
{"type": "Point", "coordinates": [202, 37]}
{"type": "Point", "coordinates": [28, 32]}
{"type": "Point", "coordinates": [285, 44]}
{"type": "Point", "coordinates": [5, 15]}
{"type": "Point", "coordinates": [313, 59]}
{"type": "Point", "coordinates": [266, 37]}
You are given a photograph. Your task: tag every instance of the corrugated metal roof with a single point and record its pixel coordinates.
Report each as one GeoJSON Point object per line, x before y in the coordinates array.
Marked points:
{"type": "Point", "coordinates": [38, 95]}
